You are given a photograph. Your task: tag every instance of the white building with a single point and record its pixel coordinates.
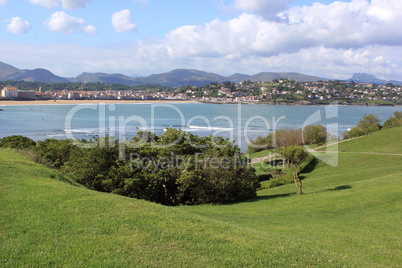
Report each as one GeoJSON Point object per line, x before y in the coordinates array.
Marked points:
{"type": "Point", "coordinates": [9, 92]}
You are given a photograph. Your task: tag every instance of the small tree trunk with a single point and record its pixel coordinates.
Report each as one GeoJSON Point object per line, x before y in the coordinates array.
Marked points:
{"type": "Point", "coordinates": [297, 180]}
{"type": "Point", "coordinates": [300, 187]}
{"type": "Point", "coordinates": [284, 164]}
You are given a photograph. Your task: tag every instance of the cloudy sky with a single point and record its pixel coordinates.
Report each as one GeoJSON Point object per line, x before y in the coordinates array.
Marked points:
{"type": "Point", "coordinates": [331, 39]}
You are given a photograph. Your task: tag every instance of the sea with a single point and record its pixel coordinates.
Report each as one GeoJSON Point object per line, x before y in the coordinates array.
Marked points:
{"type": "Point", "coordinates": [240, 123]}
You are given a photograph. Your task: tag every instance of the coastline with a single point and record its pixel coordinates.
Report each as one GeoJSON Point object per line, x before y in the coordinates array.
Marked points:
{"type": "Point", "coordinates": [73, 102]}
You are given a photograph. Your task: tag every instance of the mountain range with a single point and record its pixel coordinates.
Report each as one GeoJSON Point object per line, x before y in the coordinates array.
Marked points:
{"type": "Point", "coordinates": [174, 78]}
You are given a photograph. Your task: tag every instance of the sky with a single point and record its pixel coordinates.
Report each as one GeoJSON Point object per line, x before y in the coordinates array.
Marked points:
{"type": "Point", "coordinates": [325, 38]}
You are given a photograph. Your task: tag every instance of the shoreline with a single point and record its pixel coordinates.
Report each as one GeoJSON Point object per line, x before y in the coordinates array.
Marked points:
{"type": "Point", "coordinates": [73, 102]}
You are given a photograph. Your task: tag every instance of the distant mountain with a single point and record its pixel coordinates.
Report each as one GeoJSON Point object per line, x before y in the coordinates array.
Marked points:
{"type": "Point", "coordinates": [8, 72]}
{"type": "Point", "coordinates": [40, 75]}
{"type": "Point", "coordinates": [237, 78]}
{"type": "Point", "coordinates": [371, 79]}
{"type": "Point", "coordinates": [103, 78]}
{"type": "Point", "coordinates": [174, 78]}
{"type": "Point", "coordinates": [184, 77]}
{"type": "Point", "coordinates": [181, 77]}
{"type": "Point", "coordinates": [269, 76]}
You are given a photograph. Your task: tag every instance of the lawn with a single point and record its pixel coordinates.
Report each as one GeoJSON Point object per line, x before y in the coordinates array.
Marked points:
{"type": "Point", "coordinates": [383, 141]}
{"type": "Point", "coordinates": [349, 217]}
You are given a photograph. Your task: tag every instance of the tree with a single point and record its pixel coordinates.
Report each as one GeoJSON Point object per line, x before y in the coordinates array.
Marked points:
{"type": "Point", "coordinates": [315, 134]}
{"type": "Point", "coordinates": [369, 123]}
{"type": "Point", "coordinates": [353, 133]}
{"type": "Point", "coordinates": [287, 137]}
{"type": "Point", "coordinates": [394, 121]}
{"type": "Point", "coordinates": [295, 155]}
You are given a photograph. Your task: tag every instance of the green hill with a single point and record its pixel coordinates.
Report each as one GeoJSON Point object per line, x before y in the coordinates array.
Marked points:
{"type": "Point", "coordinates": [349, 217]}
{"type": "Point", "coordinates": [384, 141]}
{"type": "Point", "coordinates": [103, 78]}
{"type": "Point", "coordinates": [269, 76]}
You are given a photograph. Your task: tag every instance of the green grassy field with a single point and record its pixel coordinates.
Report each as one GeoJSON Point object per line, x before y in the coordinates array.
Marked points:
{"type": "Point", "coordinates": [349, 217]}
{"type": "Point", "coordinates": [384, 141]}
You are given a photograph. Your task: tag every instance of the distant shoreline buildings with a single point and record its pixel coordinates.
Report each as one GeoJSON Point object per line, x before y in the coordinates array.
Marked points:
{"type": "Point", "coordinates": [284, 90]}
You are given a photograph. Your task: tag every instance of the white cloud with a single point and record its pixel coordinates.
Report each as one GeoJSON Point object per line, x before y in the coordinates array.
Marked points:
{"type": "Point", "coordinates": [121, 21]}
{"type": "Point", "coordinates": [150, 57]}
{"type": "Point", "coordinates": [62, 22]}
{"type": "Point", "coordinates": [338, 25]}
{"type": "Point", "coordinates": [3, 2]}
{"type": "Point", "coordinates": [268, 9]}
{"type": "Point", "coordinates": [90, 30]}
{"type": "Point", "coordinates": [331, 41]}
{"type": "Point", "coordinates": [70, 4]}
{"type": "Point", "coordinates": [18, 26]}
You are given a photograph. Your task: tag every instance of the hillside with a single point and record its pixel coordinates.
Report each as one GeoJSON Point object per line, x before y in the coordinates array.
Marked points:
{"type": "Point", "coordinates": [349, 217]}
{"type": "Point", "coordinates": [103, 78]}
{"type": "Point", "coordinates": [174, 78]}
{"type": "Point", "coordinates": [40, 75]}
{"type": "Point", "coordinates": [6, 70]}
{"type": "Point", "coordinates": [267, 76]}
{"type": "Point", "coordinates": [371, 79]}
{"type": "Point", "coordinates": [181, 77]}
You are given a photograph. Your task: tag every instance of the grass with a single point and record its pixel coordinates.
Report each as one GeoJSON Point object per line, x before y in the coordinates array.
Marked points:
{"type": "Point", "coordinates": [260, 154]}
{"type": "Point", "coordinates": [349, 217]}
{"type": "Point", "coordinates": [383, 141]}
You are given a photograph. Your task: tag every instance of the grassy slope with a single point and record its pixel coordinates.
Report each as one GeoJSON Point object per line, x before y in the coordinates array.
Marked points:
{"type": "Point", "coordinates": [349, 216]}
{"type": "Point", "coordinates": [259, 154]}
{"type": "Point", "coordinates": [384, 141]}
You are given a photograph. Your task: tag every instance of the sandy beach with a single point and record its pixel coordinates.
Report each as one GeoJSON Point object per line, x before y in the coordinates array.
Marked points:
{"type": "Point", "coordinates": [52, 102]}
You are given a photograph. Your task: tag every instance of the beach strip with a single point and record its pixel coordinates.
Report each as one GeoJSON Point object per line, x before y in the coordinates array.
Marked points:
{"type": "Point", "coordinates": [74, 102]}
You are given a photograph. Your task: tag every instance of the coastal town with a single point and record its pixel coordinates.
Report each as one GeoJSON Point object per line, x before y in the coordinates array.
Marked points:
{"type": "Point", "coordinates": [278, 91]}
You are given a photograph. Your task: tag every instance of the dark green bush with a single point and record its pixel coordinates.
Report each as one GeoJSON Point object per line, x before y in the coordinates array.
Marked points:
{"type": "Point", "coordinates": [368, 124]}
{"type": "Point", "coordinates": [174, 168]}
{"type": "Point", "coordinates": [54, 152]}
{"type": "Point", "coordinates": [17, 142]}
{"type": "Point", "coordinates": [315, 134]}
{"type": "Point", "coordinates": [394, 121]}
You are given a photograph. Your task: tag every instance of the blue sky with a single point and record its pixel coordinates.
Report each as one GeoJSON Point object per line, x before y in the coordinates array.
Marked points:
{"type": "Point", "coordinates": [331, 39]}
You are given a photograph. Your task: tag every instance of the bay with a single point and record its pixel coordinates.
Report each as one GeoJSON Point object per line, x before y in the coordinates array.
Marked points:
{"type": "Point", "coordinates": [241, 123]}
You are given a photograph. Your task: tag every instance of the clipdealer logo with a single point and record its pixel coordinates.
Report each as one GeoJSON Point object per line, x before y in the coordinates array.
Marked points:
{"type": "Point", "coordinates": [116, 126]}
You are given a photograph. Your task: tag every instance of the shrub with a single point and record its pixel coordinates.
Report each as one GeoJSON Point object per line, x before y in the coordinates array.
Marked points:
{"type": "Point", "coordinates": [260, 144]}
{"type": "Point", "coordinates": [54, 152]}
{"type": "Point", "coordinates": [315, 134]}
{"type": "Point", "coordinates": [279, 181]}
{"type": "Point", "coordinates": [394, 121]}
{"type": "Point", "coordinates": [174, 168]}
{"type": "Point", "coordinates": [279, 139]}
{"type": "Point", "coordinates": [368, 124]}
{"type": "Point", "coordinates": [287, 137]}
{"type": "Point", "coordinates": [353, 133]}
{"type": "Point", "coordinates": [17, 142]}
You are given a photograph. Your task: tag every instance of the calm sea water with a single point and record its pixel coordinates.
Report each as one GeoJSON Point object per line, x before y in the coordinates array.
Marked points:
{"type": "Point", "coordinates": [236, 122]}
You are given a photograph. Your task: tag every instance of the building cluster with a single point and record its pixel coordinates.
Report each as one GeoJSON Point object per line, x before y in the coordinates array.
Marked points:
{"type": "Point", "coordinates": [246, 91]}
{"type": "Point", "coordinates": [362, 91]}
{"type": "Point", "coordinates": [312, 91]}
{"type": "Point", "coordinates": [10, 92]}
